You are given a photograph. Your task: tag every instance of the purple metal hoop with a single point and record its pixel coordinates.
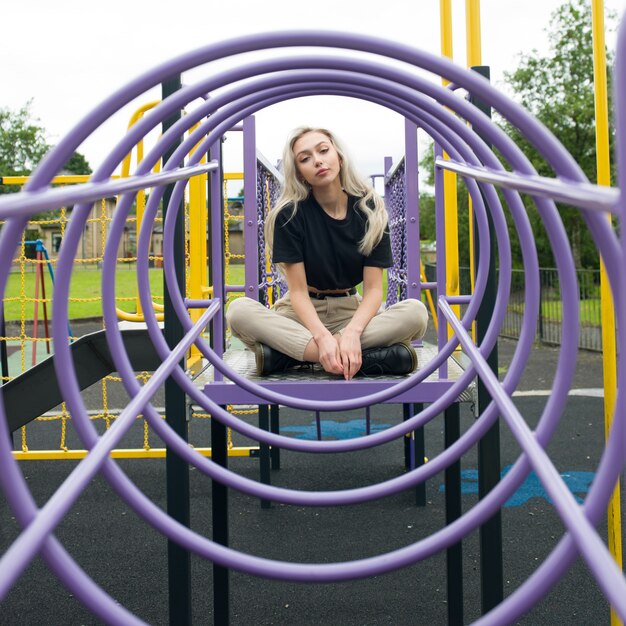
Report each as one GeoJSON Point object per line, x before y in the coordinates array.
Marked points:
{"type": "Point", "coordinates": [465, 149]}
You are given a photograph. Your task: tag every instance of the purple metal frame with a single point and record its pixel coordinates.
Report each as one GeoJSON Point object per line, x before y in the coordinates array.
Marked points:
{"type": "Point", "coordinates": [250, 218]}
{"type": "Point", "coordinates": [257, 85]}
{"type": "Point", "coordinates": [413, 279]}
{"type": "Point", "coordinates": [402, 200]}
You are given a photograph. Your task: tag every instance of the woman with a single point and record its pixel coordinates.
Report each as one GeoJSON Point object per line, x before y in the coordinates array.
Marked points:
{"type": "Point", "coordinates": [328, 233]}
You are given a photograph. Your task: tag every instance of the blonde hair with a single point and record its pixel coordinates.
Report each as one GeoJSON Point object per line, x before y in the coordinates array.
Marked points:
{"type": "Point", "coordinates": [295, 191]}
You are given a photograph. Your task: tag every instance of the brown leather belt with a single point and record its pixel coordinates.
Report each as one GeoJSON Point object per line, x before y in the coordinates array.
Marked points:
{"type": "Point", "coordinates": [340, 294]}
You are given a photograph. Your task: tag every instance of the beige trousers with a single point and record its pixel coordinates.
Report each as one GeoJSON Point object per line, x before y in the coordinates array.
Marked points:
{"type": "Point", "coordinates": [280, 328]}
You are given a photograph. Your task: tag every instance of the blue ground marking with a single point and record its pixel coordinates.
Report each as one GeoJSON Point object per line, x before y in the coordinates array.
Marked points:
{"type": "Point", "coordinates": [332, 429]}
{"type": "Point", "coordinates": [577, 482]}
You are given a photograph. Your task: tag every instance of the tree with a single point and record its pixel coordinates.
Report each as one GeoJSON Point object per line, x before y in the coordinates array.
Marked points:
{"type": "Point", "coordinates": [558, 90]}
{"type": "Point", "coordinates": [77, 164]}
{"type": "Point", "coordinates": [22, 143]}
{"type": "Point", "coordinates": [427, 208]}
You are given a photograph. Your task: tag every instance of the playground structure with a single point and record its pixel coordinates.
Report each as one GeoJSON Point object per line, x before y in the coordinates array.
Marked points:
{"type": "Point", "coordinates": [245, 90]}
{"type": "Point", "coordinates": [33, 261]}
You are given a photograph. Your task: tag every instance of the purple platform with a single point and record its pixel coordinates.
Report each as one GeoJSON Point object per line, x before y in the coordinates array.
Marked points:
{"type": "Point", "coordinates": [309, 382]}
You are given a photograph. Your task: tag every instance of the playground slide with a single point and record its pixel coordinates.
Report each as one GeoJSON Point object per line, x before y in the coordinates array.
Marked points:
{"type": "Point", "coordinates": [36, 391]}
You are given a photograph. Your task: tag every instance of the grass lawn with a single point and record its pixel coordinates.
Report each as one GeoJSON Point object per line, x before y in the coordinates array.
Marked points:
{"type": "Point", "coordinates": [85, 291]}
{"type": "Point", "coordinates": [552, 310]}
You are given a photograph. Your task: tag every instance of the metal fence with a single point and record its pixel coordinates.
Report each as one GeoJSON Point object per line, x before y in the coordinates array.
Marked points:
{"type": "Point", "coordinates": [550, 308]}
{"type": "Point", "coordinates": [550, 312]}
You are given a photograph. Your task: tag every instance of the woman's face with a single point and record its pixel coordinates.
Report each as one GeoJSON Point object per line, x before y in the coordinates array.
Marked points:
{"type": "Point", "coordinates": [317, 160]}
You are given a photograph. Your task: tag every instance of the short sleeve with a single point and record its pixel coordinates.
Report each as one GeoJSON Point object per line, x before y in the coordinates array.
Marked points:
{"type": "Point", "coordinates": [381, 255]}
{"type": "Point", "coordinates": [288, 238]}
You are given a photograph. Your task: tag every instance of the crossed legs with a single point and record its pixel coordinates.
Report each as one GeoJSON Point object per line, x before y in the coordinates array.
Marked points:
{"type": "Point", "coordinates": [280, 329]}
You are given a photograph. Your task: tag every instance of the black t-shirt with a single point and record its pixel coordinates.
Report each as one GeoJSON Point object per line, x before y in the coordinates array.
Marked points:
{"type": "Point", "coordinates": [329, 248]}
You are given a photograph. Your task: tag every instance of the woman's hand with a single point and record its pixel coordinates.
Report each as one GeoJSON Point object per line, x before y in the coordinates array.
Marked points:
{"type": "Point", "coordinates": [329, 356]}
{"type": "Point", "coordinates": [350, 351]}
{"type": "Point", "coordinates": [327, 348]}
{"type": "Point", "coordinates": [350, 341]}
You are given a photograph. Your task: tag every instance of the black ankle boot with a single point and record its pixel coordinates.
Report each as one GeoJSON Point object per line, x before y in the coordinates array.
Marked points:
{"type": "Point", "coordinates": [270, 361]}
{"type": "Point", "coordinates": [395, 360]}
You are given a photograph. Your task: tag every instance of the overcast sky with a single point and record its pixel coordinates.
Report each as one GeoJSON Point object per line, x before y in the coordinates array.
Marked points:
{"type": "Point", "coordinates": [67, 56]}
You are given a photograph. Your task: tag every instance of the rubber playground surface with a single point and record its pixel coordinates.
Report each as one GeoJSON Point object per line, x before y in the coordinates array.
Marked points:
{"type": "Point", "coordinates": [129, 559]}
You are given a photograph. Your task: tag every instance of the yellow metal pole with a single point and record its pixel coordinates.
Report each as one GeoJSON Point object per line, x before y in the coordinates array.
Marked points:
{"type": "Point", "coordinates": [472, 30]}
{"type": "Point", "coordinates": [71, 179]}
{"type": "Point", "coordinates": [138, 114]}
{"type": "Point", "coordinates": [474, 57]}
{"type": "Point", "coordinates": [445, 13]}
{"type": "Point", "coordinates": [429, 298]}
{"type": "Point", "coordinates": [122, 453]}
{"type": "Point", "coordinates": [449, 178]}
{"type": "Point", "coordinates": [609, 353]}
{"type": "Point", "coordinates": [141, 194]}
{"type": "Point", "coordinates": [198, 272]}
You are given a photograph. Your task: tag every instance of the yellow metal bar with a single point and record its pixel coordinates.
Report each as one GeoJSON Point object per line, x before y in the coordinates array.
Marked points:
{"type": "Point", "coordinates": [137, 115]}
{"type": "Point", "coordinates": [445, 19]}
{"type": "Point", "coordinates": [233, 175]}
{"type": "Point", "coordinates": [65, 179]}
{"type": "Point", "coordinates": [140, 205]}
{"type": "Point", "coordinates": [140, 200]}
{"type": "Point", "coordinates": [429, 297]}
{"type": "Point", "coordinates": [609, 352]}
{"type": "Point", "coordinates": [141, 194]}
{"type": "Point", "coordinates": [449, 178]}
{"type": "Point", "coordinates": [136, 317]}
{"type": "Point", "coordinates": [452, 233]}
{"type": "Point", "coordinates": [474, 57]}
{"type": "Point", "coordinates": [130, 453]}
{"type": "Point", "coordinates": [198, 272]}
{"type": "Point", "coordinates": [472, 31]}
{"type": "Point", "coordinates": [268, 261]}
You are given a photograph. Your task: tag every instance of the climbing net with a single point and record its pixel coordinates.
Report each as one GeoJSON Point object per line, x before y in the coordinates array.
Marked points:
{"type": "Point", "coordinates": [267, 192]}
{"type": "Point", "coordinates": [27, 304]}
{"type": "Point", "coordinates": [395, 200]}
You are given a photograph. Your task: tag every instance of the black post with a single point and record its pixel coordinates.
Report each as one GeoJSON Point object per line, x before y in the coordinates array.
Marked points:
{"type": "Point", "coordinates": [540, 324]}
{"type": "Point", "coordinates": [406, 414]}
{"type": "Point", "coordinates": [177, 471]}
{"type": "Point", "coordinates": [275, 428]}
{"type": "Point", "coordinates": [4, 356]}
{"type": "Point", "coordinates": [415, 449]}
{"type": "Point", "coordinates": [264, 451]}
{"type": "Point", "coordinates": [454, 554]}
{"type": "Point", "coordinates": [419, 454]}
{"type": "Point", "coordinates": [219, 432]}
{"type": "Point", "coordinates": [219, 509]}
{"type": "Point", "coordinates": [489, 464]}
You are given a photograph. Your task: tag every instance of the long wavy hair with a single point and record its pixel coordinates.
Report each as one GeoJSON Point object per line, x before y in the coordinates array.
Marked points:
{"type": "Point", "coordinates": [295, 191]}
